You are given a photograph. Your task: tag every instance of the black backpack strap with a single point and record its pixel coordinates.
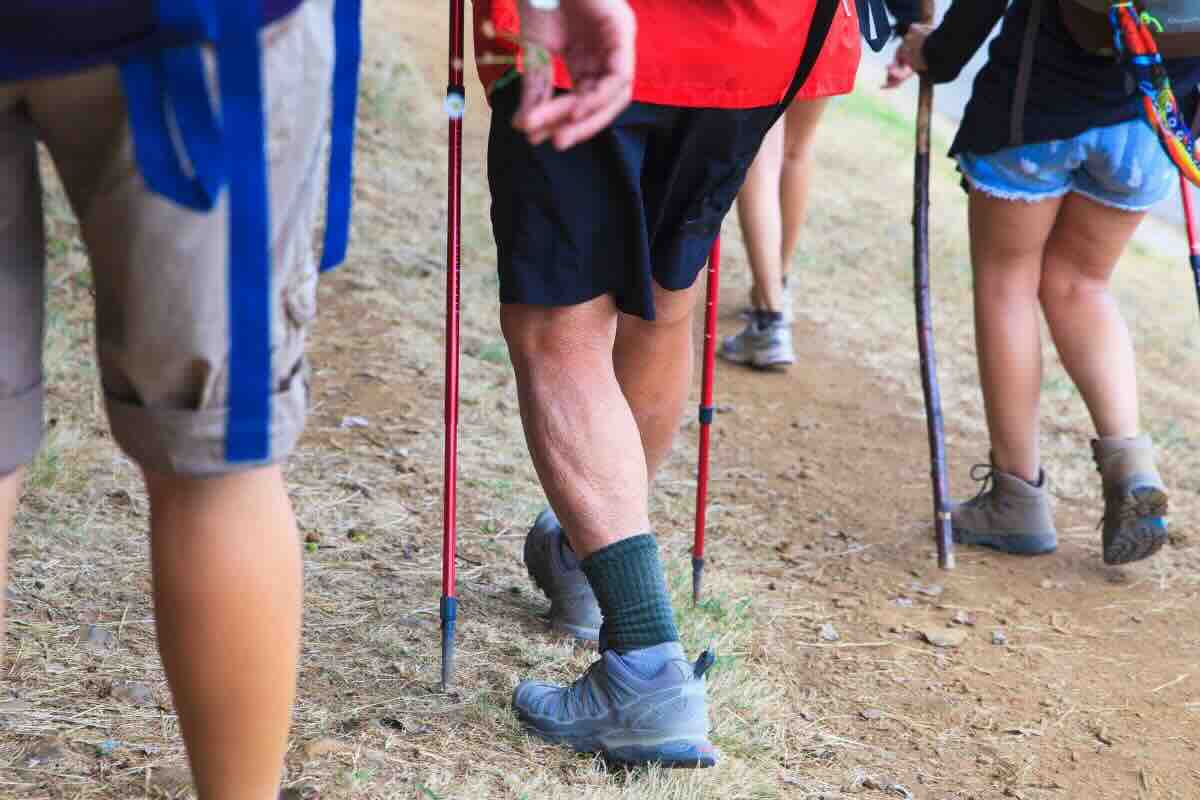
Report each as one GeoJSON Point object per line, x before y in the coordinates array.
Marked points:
{"type": "Point", "coordinates": [1024, 75]}
{"type": "Point", "coordinates": [818, 32]}
{"type": "Point", "coordinates": [873, 11]}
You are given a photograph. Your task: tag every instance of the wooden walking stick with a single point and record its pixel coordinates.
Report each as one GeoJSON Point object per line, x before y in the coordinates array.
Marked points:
{"type": "Point", "coordinates": [943, 527]}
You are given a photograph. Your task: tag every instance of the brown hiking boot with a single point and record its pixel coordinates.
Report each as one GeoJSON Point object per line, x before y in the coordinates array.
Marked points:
{"type": "Point", "coordinates": [1135, 499]}
{"type": "Point", "coordinates": [1009, 514]}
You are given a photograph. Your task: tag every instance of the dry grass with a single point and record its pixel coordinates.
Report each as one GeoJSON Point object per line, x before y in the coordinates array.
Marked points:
{"type": "Point", "coordinates": [795, 717]}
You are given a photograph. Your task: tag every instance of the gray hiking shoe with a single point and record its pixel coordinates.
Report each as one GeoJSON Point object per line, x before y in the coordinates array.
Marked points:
{"type": "Point", "coordinates": [645, 707]}
{"type": "Point", "coordinates": [1008, 514]}
{"type": "Point", "coordinates": [555, 570]}
{"type": "Point", "coordinates": [762, 346]}
{"type": "Point", "coordinates": [1135, 499]}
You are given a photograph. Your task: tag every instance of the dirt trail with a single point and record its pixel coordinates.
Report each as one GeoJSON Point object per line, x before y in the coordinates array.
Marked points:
{"type": "Point", "coordinates": [1071, 681]}
{"type": "Point", "coordinates": [821, 496]}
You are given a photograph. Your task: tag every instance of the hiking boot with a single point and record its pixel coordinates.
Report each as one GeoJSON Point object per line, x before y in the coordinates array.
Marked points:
{"type": "Point", "coordinates": [644, 707]}
{"type": "Point", "coordinates": [1009, 514]}
{"type": "Point", "coordinates": [1135, 499]}
{"type": "Point", "coordinates": [555, 570]}
{"type": "Point", "coordinates": [761, 345]}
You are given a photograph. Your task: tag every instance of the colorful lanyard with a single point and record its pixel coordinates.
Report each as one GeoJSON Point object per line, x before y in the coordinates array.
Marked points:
{"type": "Point", "coordinates": [1135, 40]}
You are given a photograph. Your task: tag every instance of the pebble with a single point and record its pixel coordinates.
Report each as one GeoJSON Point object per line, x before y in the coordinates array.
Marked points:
{"type": "Point", "coordinates": [999, 638]}
{"type": "Point", "coordinates": [871, 714]}
{"type": "Point", "coordinates": [355, 422]}
{"type": "Point", "coordinates": [95, 637]}
{"type": "Point", "coordinates": [961, 617]}
{"type": "Point", "coordinates": [946, 638]}
{"type": "Point", "coordinates": [133, 693]}
{"type": "Point", "coordinates": [829, 633]}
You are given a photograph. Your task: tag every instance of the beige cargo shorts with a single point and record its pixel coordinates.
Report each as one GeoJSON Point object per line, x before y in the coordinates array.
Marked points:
{"type": "Point", "coordinates": [160, 271]}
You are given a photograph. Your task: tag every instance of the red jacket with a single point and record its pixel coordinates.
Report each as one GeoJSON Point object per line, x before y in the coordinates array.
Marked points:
{"type": "Point", "coordinates": [705, 53]}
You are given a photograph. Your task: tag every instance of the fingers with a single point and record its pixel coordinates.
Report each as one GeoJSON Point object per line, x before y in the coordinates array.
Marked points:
{"type": "Point", "coordinates": [597, 105]}
{"type": "Point", "coordinates": [548, 117]}
{"type": "Point", "coordinates": [897, 74]}
{"type": "Point", "coordinates": [537, 89]}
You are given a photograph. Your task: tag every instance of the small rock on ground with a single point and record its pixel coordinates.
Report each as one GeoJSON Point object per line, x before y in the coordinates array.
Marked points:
{"type": "Point", "coordinates": [946, 638]}
{"type": "Point", "coordinates": [829, 633]}
{"type": "Point", "coordinates": [95, 637]}
{"type": "Point", "coordinates": [133, 693]}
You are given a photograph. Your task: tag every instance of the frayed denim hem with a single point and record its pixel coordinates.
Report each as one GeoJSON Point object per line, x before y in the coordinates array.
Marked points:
{"type": "Point", "coordinates": [1139, 208]}
{"type": "Point", "coordinates": [1009, 194]}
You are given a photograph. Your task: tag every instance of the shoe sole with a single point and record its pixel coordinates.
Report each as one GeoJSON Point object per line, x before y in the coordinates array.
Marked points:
{"type": "Point", "coordinates": [1017, 544]}
{"type": "Point", "coordinates": [1142, 530]}
{"type": "Point", "coordinates": [667, 753]}
{"type": "Point", "coordinates": [767, 365]}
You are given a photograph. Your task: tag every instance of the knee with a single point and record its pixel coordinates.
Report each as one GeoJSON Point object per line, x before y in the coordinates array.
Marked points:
{"type": "Point", "coordinates": [177, 491]}
{"type": "Point", "coordinates": [1004, 280]}
{"type": "Point", "coordinates": [554, 338]}
{"type": "Point", "coordinates": [1064, 289]}
{"type": "Point", "coordinates": [798, 155]}
{"type": "Point", "coordinates": [672, 308]}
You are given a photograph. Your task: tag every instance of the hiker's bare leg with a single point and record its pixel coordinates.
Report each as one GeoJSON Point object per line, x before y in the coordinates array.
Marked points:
{"type": "Point", "coordinates": [761, 219]}
{"type": "Point", "coordinates": [1084, 320]}
{"type": "Point", "coordinates": [1008, 240]}
{"type": "Point", "coordinates": [10, 492]}
{"type": "Point", "coordinates": [796, 178]}
{"type": "Point", "coordinates": [227, 597]}
{"type": "Point", "coordinates": [653, 362]}
{"type": "Point", "coordinates": [581, 432]}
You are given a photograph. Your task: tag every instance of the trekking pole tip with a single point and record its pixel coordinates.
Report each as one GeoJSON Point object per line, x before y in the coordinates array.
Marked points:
{"type": "Point", "coordinates": [449, 619]}
{"type": "Point", "coordinates": [945, 538]}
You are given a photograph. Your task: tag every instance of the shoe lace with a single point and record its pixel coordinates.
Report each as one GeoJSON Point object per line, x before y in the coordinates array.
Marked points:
{"type": "Point", "coordinates": [985, 476]}
{"type": "Point", "coordinates": [581, 694]}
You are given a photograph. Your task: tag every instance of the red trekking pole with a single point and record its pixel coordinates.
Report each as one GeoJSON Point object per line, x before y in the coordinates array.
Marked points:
{"type": "Point", "coordinates": [455, 106]}
{"type": "Point", "coordinates": [943, 524]}
{"type": "Point", "coordinates": [706, 414]}
{"type": "Point", "coordinates": [1185, 190]}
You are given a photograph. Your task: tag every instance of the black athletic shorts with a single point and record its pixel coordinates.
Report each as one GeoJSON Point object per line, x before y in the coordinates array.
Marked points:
{"type": "Point", "coordinates": [640, 203]}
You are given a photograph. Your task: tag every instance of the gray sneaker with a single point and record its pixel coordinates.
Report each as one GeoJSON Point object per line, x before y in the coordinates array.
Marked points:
{"type": "Point", "coordinates": [764, 347]}
{"type": "Point", "coordinates": [555, 570]}
{"type": "Point", "coordinates": [1135, 499]}
{"type": "Point", "coordinates": [1008, 514]}
{"type": "Point", "coordinates": [645, 707]}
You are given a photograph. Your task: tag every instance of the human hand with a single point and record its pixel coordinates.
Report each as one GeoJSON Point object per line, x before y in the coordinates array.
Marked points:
{"type": "Point", "coordinates": [595, 38]}
{"type": "Point", "coordinates": [910, 56]}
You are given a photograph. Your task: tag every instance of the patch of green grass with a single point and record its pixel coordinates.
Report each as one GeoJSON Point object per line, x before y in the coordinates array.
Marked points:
{"type": "Point", "coordinates": [494, 353]}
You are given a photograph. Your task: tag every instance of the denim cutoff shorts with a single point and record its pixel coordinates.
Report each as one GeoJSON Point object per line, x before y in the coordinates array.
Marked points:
{"type": "Point", "coordinates": [1122, 166]}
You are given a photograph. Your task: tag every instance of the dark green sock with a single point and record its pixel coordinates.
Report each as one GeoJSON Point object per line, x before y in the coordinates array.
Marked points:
{"type": "Point", "coordinates": [627, 578]}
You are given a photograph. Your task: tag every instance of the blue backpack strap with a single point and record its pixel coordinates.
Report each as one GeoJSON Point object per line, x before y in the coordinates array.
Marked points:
{"type": "Point", "coordinates": [170, 109]}
{"type": "Point", "coordinates": [239, 71]}
{"type": "Point", "coordinates": [348, 37]}
{"type": "Point", "coordinates": [172, 83]}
